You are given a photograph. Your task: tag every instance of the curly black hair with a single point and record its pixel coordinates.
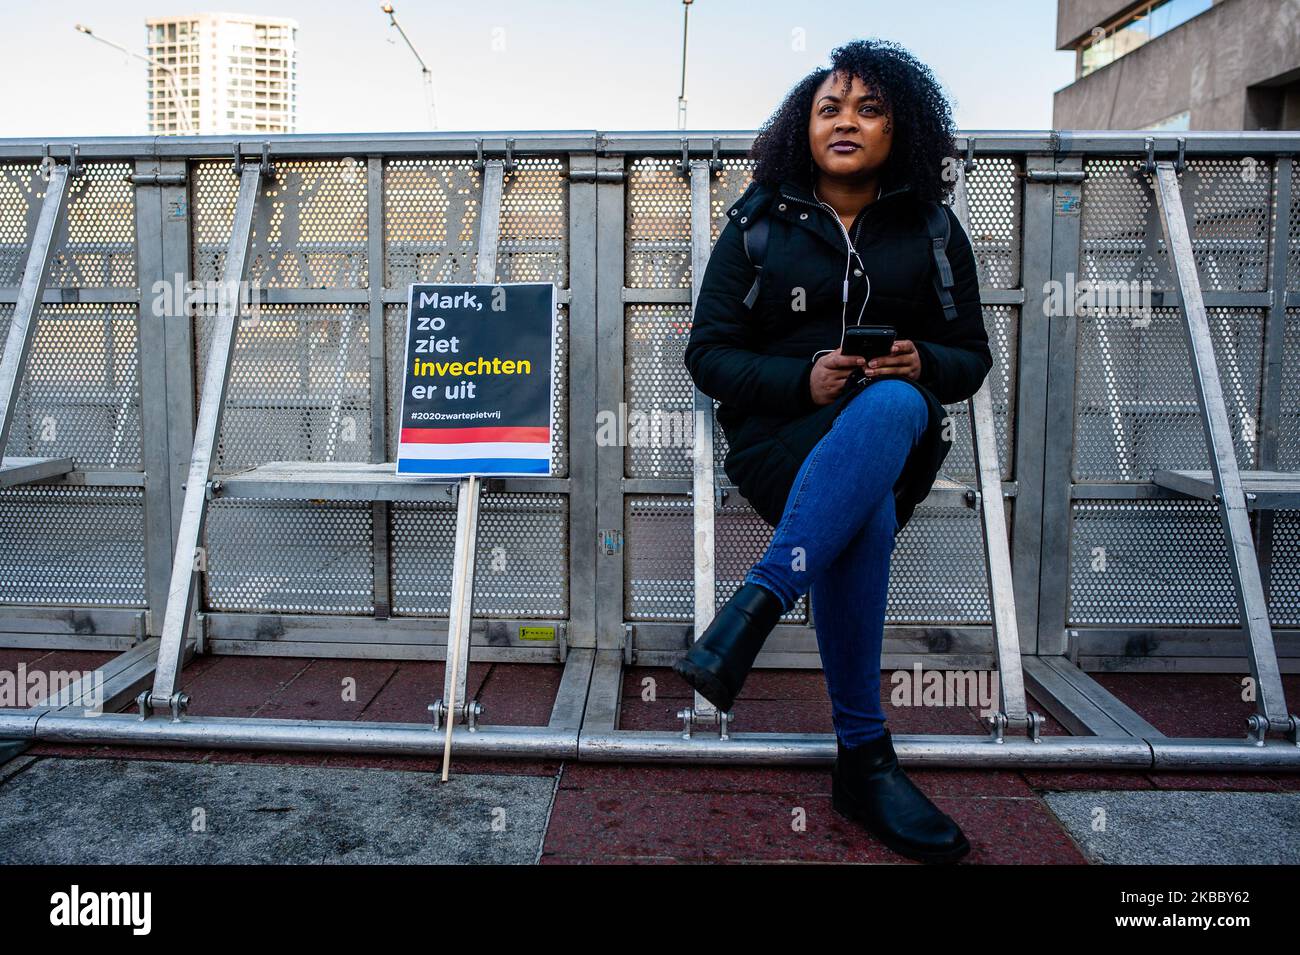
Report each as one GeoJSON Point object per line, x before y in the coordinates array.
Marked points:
{"type": "Point", "coordinates": [922, 118]}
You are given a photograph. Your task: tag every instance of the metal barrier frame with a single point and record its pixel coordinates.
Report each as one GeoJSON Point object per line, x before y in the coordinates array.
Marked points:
{"type": "Point", "coordinates": [599, 641]}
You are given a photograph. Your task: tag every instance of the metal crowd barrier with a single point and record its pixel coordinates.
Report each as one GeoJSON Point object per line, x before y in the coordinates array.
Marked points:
{"type": "Point", "coordinates": [184, 475]}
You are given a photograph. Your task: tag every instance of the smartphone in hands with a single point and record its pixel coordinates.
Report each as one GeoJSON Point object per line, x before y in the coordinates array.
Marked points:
{"type": "Point", "coordinates": [868, 341]}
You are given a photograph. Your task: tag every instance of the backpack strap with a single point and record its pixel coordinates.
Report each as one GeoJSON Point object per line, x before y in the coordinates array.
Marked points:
{"type": "Point", "coordinates": [936, 219]}
{"type": "Point", "coordinates": [755, 238]}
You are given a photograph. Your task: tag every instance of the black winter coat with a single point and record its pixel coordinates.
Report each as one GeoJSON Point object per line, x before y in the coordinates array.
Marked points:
{"type": "Point", "coordinates": [757, 363]}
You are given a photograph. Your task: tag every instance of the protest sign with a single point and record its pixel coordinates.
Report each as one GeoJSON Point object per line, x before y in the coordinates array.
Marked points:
{"type": "Point", "coordinates": [478, 380]}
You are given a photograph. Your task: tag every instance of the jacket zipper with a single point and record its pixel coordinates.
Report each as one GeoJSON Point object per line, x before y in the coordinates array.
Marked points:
{"type": "Point", "coordinates": [845, 232]}
{"type": "Point", "coordinates": [857, 229]}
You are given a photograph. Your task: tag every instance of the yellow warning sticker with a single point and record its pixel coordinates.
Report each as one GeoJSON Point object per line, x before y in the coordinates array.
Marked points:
{"type": "Point", "coordinates": [536, 633]}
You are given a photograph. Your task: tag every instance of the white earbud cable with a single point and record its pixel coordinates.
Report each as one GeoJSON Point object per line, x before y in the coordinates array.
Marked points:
{"type": "Point", "coordinates": [844, 297]}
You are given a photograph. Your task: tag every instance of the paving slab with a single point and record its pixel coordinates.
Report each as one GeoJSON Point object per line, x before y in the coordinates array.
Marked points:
{"type": "Point", "coordinates": [1182, 827]}
{"type": "Point", "coordinates": [116, 811]}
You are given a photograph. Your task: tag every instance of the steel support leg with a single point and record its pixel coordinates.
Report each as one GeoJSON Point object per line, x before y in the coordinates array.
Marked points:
{"type": "Point", "coordinates": [22, 328]}
{"type": "Point", "coordinates": [181, 593]}
{"type": "Point", "coordinates": [703, 486]}
{"type": "Point", "coordinates": [997, 549]}
{"type": "Point", "coordinates": [1230, 497]}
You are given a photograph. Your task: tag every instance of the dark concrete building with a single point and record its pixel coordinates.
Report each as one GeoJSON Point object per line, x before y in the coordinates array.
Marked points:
{"type": "Point", "coordinates": [1180, 64]}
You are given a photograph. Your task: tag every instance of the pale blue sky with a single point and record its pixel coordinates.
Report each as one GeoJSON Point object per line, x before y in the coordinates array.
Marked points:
{"type": "Point", "coordinates": [566, 64]}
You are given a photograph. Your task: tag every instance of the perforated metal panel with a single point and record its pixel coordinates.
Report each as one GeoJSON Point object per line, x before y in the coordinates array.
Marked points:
{"type": "Point", "coordinates": [936, 573]}
{"type": "Point", "coordinates": [289, 557]}
{"type": "Point", "coordinates": [658, 224]}
{"type": "Point", "coordinates": [21, 189]}
{"type": "Point", "coordinates": [1136, 408]}
{"type": "Point", "coordinates": [657, 425]}
{"type": "Point", "coordinates": [1227, 204]}
{"type": "Point", "coordinates": [72, 545]}
{"type": "Point", "coordinates": [658, 248]}
{"type": "Point", "coordinates": [1130, 560]}
{"type": "Point", "coordinates": [993, 198]}
{"type": "Point", "coordinates": [727, 184]}
{"type": "Point", "coordinates": [79, 395]}
{"type": "Point", "coordinates": [309, 228]}
{"type": "Point", "coordinates": [431, 220]}
{"type": "Point", "coordinates": [659, 568]}
{"type": "Point", "coordinates": [660, 395]}
{"type": "Point", "coordinates": [1231, 220]}
{"type": "Point", "coordinates": [99, 246]}
{"type": "Point", "coordinates": [395, 352]}
{"type": "Point", "coordinates": [1284, 580]}
{"type": "Point", "coordinates": [1002, 323]}
{"type": "Point", "coordinates": [299, 386]}
{"type": "Point", "coordinates": [534, 244]}
{"type": "Point", "coordinates": [1120, 225]}
{"type": "Point", "coordinates": [431, 215]}
{"type": "Point", "coordinates": [96, 247]}
{"type": "Point", "coordinates": [742, 540]}
{"type": "Point", "coordinates": [1288, 425]}
{"type": "Point", "coordinates": [521, 562]}
{"type": "Point", "coordinates": [1293, 230]}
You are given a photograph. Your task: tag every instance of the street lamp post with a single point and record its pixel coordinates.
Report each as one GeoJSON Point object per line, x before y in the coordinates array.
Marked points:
{"type": "Point", "coordinates": [681, 97]}
{"type": "Point", "coordinates": [182, 104]}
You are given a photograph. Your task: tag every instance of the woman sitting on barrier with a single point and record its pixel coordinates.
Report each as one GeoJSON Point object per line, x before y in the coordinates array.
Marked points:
{"type": "Point", "coordinates": [835, 451]}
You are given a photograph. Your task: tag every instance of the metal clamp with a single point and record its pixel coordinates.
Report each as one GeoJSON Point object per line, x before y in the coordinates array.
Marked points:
{"type": "Point", "coordinates": [1035, 728]}
{"type": "Point", "coordinates": [1149, 166]}
{"type": "Point", "coordinates": [178, 703]}
{"type": "Point", "coordinates": [268, 170]}
{"type": "Point", "coordinates": [969, 162]}
{"type": "Point", "coordinates": [715, 160]}
{"type": "Point", "coordinates": [508, 166]}
{"type": "Point", "coordinates": [999, 722]}
{"type": "Point", "coordinates": [465, 713]}
{"type": "Point", "coordinates": [74, 160]}
{"type": "Point", "coordinates": [1053, 175]}
{"type": "Point", "coordinates": [690, 716]}
{"type": "Point", "coordinates": [155, 178]}
{"type": "Point", "coordinates": [1257, 728]}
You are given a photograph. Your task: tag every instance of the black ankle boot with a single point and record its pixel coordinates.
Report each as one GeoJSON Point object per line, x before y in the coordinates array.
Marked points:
{"type": "Point", "coordinates": [868, 785]}
{"type": "Point", "coordinates": [717, 663]}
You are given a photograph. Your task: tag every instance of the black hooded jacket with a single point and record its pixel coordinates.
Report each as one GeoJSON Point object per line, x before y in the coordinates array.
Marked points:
{"type": "Point", "coordinates": [757, 362]}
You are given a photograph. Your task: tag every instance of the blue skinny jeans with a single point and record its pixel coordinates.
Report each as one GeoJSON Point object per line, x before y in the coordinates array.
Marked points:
{"type": "Point", "coordinates": [835, 539]}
